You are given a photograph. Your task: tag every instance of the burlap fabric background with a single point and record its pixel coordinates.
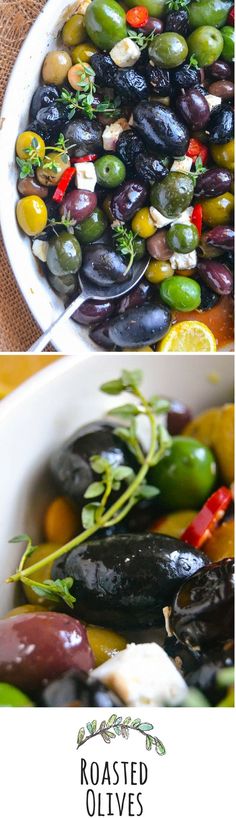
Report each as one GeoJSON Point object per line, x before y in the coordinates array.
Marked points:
{"type": "Point", "coordinates": [17, 327]}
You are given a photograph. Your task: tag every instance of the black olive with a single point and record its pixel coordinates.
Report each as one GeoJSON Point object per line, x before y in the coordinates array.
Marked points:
{"type": "Point", "coordinates": [128, 147]}
{"type": "Point", "coordinates": [185, 76]}
{"type": "Point", "coordinates": [131, 84]}
{"type": "Point", "coordinates": [204, 678]}
{"type": "Point", "coordinates": [149, 168]}
{"type": "Point", "coordinates": [43, 96]}
{"type": "Point", "coordinates": [178, 21]}
{"type": "Point", "coordinates": [126, 580]}
{"type": "Point", "coordinates": [209, 299]}
{"type": "Point", "coordinates": [159, 79]}
{"type": "Point", "coordinates": [52, 118]}
{"type": "Point", "coordinates": [138, 327]}
{"type": "Point", "coordinates": [221, 125]}
{"type": "Point", "coordinates": [85, 135]}
{"type": "Point", "coordinates": [161, 129]}
{"type": "Point", "coordinates": [202, 615]}
{"type": "Point", "coordinates": [104, 266]}
{"type": "Point", "coordinates": [70, 464]}
{"type": "Point", "coordinates": [105, 69]}
{"type": "Point", "coordinates": [75, 689]}
{"type": "Point", "coordinates": [99, 335]}
{"type": "Point", "coordinates": [183, 658]}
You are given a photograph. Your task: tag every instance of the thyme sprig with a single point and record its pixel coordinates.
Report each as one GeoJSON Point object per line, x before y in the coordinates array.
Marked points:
{"type": "Point", "coordinates": [65, 221]}
{"type": "Point", "coordinates": [193, 61]}
{"type": "Point", "coordinates": [84, 102]}
{"type": "Point", "coordinates": [99, 514]}
{"type": "Point", "coordinates": [125, 242]}
{"type": "Point", "coordinates": [141, 39]}
{"type": "Point", "coordinates": [32, 161]}
{"type": "Point", "coordinates": [198, 170]}
{"type": "Point", "coordinates": [177, 5]}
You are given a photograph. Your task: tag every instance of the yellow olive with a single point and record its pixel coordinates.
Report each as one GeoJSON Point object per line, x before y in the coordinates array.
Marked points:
{"type": "Point", "coordinates": [32, 215]}
{"type": "Point", "coordinates": [158, 270]}
{"type": "Point", "coordinates": [75, 74]}
{"type": "Point", "coordinates": [23, 609]}
{"type": "Point", "coordinates": [223, 155]}
{"type": "Point", "coordinates": [41, 575]}
{"type": "Point", "coordinates": [218, 211]}
{"type": "Point", "coordinates": [142, 223]}
{"type": "Point", "coordinates": [74, 31]}
{"type": "Point", "coordinates": [49, 176]}
{"type": "Point", "coordinates": [28, 141]}
{"type": "Point", "coordinates": [61, 522]}
{"type": "Point", "coordinates": [221, 543]}
{"type": "Point", "coordinates": [104, 643]}
{"type": "Point", "coordinates": [55, 67]}
{"type": "Point", "coordinates": [83, 52]}
{"type": "Point", "coordinates": [173, 525]}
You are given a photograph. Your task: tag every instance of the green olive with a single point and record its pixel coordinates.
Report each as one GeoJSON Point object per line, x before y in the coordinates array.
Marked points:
{"type": "Point", "coordinates": [183, 238]}
{"type": "Point", "coordinates": [218, 210]}
{"type": "Point", "coordinates": [55, 67]}
{"type": "Point", "coordinates": [74, 31]}
{"type": "Point", "coordinates": [83, 52]}
{"type": "Point", "coordinates": [168, 50]}
{"type": "Point", "coordinates": [11, 696]}
{"type": "Point", "coordinates": [92, 228]}
{"type": "Point", "coordinates": [181, 293]}
{"type": "Point", "coordinates": [209, 13]}
{"type": "Point", "coordinates": [186, 475]}
{"type": "Point", "coordinates": [229, 38]}
{"type": "Point", "coordinates": [173, 194]}
{"type": "Point", "coordinates": [155, 8]}
{"type": "Point", "coordinates": [110, 171]}
{"type": "Point", "coordinates": [206, 44]}
{"type": "Point", "coordinates": [105, 23]}
{"type": "Point", "coordinates": [64, 255]}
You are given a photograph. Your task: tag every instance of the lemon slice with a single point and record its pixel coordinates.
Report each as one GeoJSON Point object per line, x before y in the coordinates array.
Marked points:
{"type": "Point", "coordinates": [188, 336]}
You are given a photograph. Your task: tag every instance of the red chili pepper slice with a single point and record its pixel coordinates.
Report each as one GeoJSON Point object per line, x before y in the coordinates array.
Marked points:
{"type": "Point", "coordinates": [230, 18]}
{"type": "Point", "coordinates": [196, 149]}
{"type": "Point", "coordinates": [196, 218]}
{"type": "Point", "coordinates": [63, 184]}
{"type": "Point", "coordinates": [213, 510]}
{"type": "Point", "coordinates": [91, 157]}
{"type": "Point", "coordinates": [137, 17]}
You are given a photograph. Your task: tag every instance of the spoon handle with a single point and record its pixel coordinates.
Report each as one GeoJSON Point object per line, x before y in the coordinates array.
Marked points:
{"type": "Point", "coordinates": [44, 339]}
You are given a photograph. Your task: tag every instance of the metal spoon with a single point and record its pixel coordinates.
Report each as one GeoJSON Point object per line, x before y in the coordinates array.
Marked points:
{"type": "Point", "coordinates": [96, 293]}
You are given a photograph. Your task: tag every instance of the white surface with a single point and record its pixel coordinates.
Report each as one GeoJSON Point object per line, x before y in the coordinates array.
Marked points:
{"type": "Point", "coordinates": [40, 765]}
{"type": "Point", "coordinates": [44, 304]}
{"type": "Point", "coordinates": [46, 410]}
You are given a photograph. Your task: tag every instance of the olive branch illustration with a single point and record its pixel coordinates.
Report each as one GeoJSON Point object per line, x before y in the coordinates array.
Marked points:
{"type": "Point", "coordinates": [117, 726]}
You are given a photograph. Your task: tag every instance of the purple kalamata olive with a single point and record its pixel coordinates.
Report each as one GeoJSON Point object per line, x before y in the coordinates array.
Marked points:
{"type": "Point", "coordinates": [193, 107]}
{"type": "Point", "coordinates": [220, 70]}
{"type": "Point", "coordinates": [93, 312]}
{"type": "Point", "coordinates": [213, 182]}
{"type": "Point", "coordinates": [221, 236]}
{"type": "Point", "coordinates": [128, 198]}
{"type": "Point", "coordinates": [138, 296]}
{"type": "Point", "coordinates": [178, 416]}
{"type": "Point", "coordinates": [79, 203]}
{"type": "Point", "coordinates": [29, 187]}
{"type": "Point", "coordinates": [140, 326]}
{"type": "Point", "coordinates": [103, 266]}
{"type": "Point", "coordinates": [153, 24]}
{"type": "Point", "coordinates": [157, 246]}
{"type": "Point", "coordinates": [216, 275]}
{"type": "Point", "coordinates": [222, 88]}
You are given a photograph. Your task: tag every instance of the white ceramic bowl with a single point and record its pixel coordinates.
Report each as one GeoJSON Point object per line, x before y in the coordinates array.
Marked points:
{"type": "Point", "coordinates": [44, 411]}
{"type": "Point", "coordinates": [42, 301]}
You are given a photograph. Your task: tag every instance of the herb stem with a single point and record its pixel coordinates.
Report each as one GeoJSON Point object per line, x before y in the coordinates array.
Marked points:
{"type": "Point", "coordinates": [123, 500]}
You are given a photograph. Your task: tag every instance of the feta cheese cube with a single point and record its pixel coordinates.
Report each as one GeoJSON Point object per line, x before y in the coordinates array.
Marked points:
{"type": "Point", "coordinates": [112, 132]}
{"type": "Point", "coordinates": [85, 178]}
{"type": "Point", "coordinates": [213, 101]}
{"type": "Point", "coordinates": [143, 675]}
{"type": "Point", "coordinates": [183, 261]}
{"type": "Point", "coordinates": [185, 217]}
{"type": "Point", "coordinates": [40, 249]}
{"type": "Point", "coordinates": [157, 217]}
{"type": "Point", "coordinates": [182, 165]}
{"type": "Point", "coordinates": [125, 53]}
